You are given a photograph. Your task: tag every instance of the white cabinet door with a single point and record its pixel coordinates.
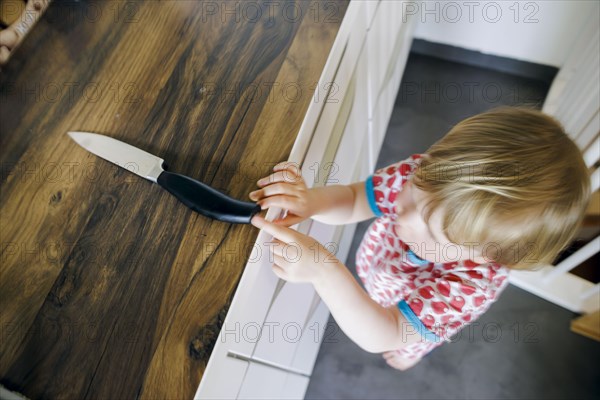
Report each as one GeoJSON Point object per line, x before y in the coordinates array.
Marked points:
{"type": "Point", "coordinates": [370, 9]}
{"type": "Point", "coordinates": [315, 332]}
{"type": "Point", "coordinates": [355, 128]}
{"type": "Point", "coordinates": [222, 378]}
{"type": "Point", "coordinates": [338, 105]}
{"type": "Point", "coordinates": [387, 51]}
{"type": "Point", "coordinates": [285, 325]}
{"type": "Point", "coordinates": [264, 382]}
{"type": "Point", "coordinates": [252, 301]}
{"type": "Point", "coordinates": [380, 44]}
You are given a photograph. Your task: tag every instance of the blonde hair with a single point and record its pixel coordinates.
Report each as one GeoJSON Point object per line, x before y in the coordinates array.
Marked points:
{"type": "Point", "coordinates": [509, 180]}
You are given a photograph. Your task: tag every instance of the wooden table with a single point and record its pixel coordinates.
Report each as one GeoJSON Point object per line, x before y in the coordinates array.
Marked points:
{"type": "Point", "coordinates": [109, 287]}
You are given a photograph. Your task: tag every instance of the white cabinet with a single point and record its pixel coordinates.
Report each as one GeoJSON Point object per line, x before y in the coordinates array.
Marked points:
{"type": "Point", "coordinates": [271, 335]}
{"type": "Point", "coordinates": [388, 44]}
{"type": "Point", "coordinates": [286, 324]}
{"type": "Point", "coordinates": [223, 377]}
{"type": "Point", "coordinates": [263, 382]}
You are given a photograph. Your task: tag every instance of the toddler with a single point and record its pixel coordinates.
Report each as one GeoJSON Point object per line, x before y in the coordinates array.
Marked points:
{"type": "Point", "coordinates": [505, 189]}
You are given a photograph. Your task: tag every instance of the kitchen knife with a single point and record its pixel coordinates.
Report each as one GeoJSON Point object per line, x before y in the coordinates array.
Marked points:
{"type": "Point", "coordinates": [194, 194]}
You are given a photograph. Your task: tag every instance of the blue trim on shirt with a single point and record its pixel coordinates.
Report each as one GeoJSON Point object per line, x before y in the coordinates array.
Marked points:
{"type": "Point", "coordinates": [410, 315]}
{"type": "Point", "coordinates": [371, 197]}
{"type": "Point", "coordinates": [415, 259]}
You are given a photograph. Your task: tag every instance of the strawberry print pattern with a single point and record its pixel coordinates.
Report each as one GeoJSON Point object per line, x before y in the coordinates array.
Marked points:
{"type": "Point", "coordinates": [443, 296]}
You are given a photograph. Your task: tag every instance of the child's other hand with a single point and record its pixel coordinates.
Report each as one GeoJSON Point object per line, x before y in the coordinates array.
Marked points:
{"type": "Point", "coordinates": [286, 189]}
{"type": "Point", "coordinates": [296, 257]}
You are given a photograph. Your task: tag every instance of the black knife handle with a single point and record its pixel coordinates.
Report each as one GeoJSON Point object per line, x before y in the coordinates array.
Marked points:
{"type": "Point", "coordinates": [206, 200]}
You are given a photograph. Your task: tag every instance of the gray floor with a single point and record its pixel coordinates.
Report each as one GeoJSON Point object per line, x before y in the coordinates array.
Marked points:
{"type": "Point", "coordinates": [522, 347]}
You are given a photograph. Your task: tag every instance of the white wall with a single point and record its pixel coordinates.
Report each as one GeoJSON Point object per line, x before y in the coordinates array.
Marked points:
{"type": "Point", "coordinates": [495, 27]}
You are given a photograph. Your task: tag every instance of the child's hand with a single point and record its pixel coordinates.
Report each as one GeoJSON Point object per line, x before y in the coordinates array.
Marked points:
{"type": "Point", "coordinates": [286, 189]}
{"type": "Point", "coordinates": [20, 25]}
{"type": "Point", "coordinates": [296, 257]}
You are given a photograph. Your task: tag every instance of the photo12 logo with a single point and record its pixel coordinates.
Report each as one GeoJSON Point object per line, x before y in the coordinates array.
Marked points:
{"type": "Point", "coordinates": [270, 11]}
{"type": "Point", "coordinates": [472, 11]}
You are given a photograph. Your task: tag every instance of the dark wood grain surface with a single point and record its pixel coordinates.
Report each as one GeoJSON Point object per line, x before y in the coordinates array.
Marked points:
{"type": "Point", "coordinates": [109, 287]}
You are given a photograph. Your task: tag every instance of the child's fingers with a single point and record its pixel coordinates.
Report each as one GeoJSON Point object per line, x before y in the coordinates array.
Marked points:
{"type": "Point", "coordinates": [8, 38]}
{"type": "Point", "coordinates": [290, 220]}
{"type": "Point", "coordinates": [285, 175]}
{"type": "Point", "coordinates": [276, 247]}
{"type": "Point", "coordinates": [274, 189]}
{"type": "Point", "coordinates": [4, 54]}
{"type": "Point", "coordinates": [282, 233]}
{"type": "Point", "coordinates": [293, 166]}
{"type": "Point", "coordinates": [282, 201]}
{"type": "Point", "coordinates": [279, 272]}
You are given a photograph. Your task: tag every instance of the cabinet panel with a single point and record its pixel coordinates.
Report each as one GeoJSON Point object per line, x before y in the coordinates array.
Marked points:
{"type": "Point", "coordinates": [352, 30]}
{"type": "Point", "coordinates": [338, 104]}
{"type": "Point", "coordinates": [296, 323]}
{"type": "Point", "coordinates": [285, 324]}
{"type": "Point", "coordinates": [256, 289]}
{"type": "Point", "coordinates": [363, 166]}
{"type": "Point", "coordinates": [345, 242]}
{"type": "Point", "coordinates": [264, 382]}
{"type": "Point", "coordinates": [381, 40]}
{"type": "Point", "coordinates": [370, 9]}
{"type": "Point", "coordinates": [314, 333]}
{"type": "Point", "coordinates": [382, 100]}
{"type": "Point", "coordinates": [356, 129]}
{"type": "Point", "coordinates": [391, 83]}
{"type": "Point", "coordinates": [222, 378]}
{"type": "Point", "coordinates": [294, 387]}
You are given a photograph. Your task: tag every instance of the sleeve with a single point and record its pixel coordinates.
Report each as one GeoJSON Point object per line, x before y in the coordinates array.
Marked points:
{"type": "Point", "coordinates": [383, 185]}
{"type": "Point", "coordinates": [443, 305]}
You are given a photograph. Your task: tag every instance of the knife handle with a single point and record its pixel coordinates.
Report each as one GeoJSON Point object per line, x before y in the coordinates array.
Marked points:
{"type": "Point", "coordinates": [206, 200]}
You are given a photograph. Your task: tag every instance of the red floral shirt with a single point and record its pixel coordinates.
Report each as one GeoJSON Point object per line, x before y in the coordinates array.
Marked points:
{"type": "Point", "coordinates": [438, 299]}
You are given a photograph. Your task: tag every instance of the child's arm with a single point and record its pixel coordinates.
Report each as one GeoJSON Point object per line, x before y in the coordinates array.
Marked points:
{"type": "Point", "coordinates": [335, 204]}
{"type": "Point", "coordinates": [342, 204]}
{"type": "Point", "coordinates": [371, 326]}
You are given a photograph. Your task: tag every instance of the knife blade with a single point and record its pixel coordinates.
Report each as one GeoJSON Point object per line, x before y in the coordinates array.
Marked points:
{"type": "Point", "coordinates": [196, 195]}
